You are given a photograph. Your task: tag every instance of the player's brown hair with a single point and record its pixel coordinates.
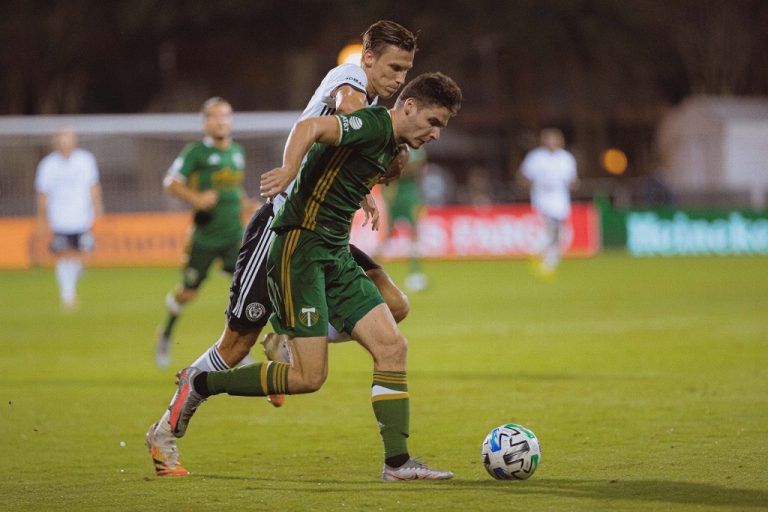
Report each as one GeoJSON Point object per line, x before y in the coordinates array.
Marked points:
{"type": "Point", "coordinates": [385, 32]}
{"type": "Point", "coordinates": [433, 89]}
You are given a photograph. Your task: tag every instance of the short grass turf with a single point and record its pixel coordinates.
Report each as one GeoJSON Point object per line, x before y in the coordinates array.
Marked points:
{"type": "Point", "coordinates": [646, 381]}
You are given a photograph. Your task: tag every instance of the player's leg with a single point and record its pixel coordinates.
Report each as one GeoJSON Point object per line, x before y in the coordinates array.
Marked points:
{"type": "Point", "coordinates": [69, 264]}
{"type": "Point", "coordinates": [355, 305]}
{"type": "Point", "coordinates": [416, 280]}
{"type": "Point", "coordinates": [396, 300]}
{"type": "Point", "coordinates": [307, 374]}
{"type": "Point", "coordinates": [551, 253]}
{"type": "Point", "coordinates": [246, 313]}
{"type": "Point", "coordinates": [194, 272]}
{"type": "Point", "coordinates": [296, 267]}
{"type": "Point", "coordinates": [378, 333]}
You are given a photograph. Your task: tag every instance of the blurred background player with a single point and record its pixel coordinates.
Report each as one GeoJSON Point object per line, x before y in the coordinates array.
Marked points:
{"type": "Point", "coordinates": [404, 200]}
{"type": "Point", "coordinates": [550, 173]}
{"type": "Point", "coordinates": [208, 175]}
{"type": "Point", "coordinates": [388, 52]}
{"type": "Point", "coordinates": [68, 202]}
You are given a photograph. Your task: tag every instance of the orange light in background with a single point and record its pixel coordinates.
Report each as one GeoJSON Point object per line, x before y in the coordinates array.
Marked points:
{"type": "Point", "coordinates": [614, 161]}
{"type": "Point", "coordinates": [350, 54]}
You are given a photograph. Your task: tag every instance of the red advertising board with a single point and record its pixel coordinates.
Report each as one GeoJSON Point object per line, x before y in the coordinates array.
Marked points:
{"type": "Point", "coordinates": [499, 231]}
{"type": "Point", "coordinates": [502, 231]}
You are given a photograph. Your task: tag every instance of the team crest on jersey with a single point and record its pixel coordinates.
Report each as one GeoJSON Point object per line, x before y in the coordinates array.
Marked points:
{"type": "Point", "coordinates": [356, 123]}
{"type": "Point", "coordinates": [254, 311]}
{"type": "Point", "coordinates": [308, 316]}
{"type": "Point", "coordinates": [238, 159]}
{"type": "Point", "coordinates": [214, 159]}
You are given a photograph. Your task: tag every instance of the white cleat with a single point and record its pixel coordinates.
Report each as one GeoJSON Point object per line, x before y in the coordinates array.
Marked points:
{"type": "Point", "coordinates": [413, 470]}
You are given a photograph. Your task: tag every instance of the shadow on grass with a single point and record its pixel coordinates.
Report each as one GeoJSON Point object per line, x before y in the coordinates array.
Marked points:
{"type": "Point", "coordinates": [519, 376]}
{"type": "Point", "coordinates": [615, 490]}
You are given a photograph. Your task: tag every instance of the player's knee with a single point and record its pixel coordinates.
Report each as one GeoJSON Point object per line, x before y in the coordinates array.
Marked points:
{"type": "Point", "coordinates": [393, 351]}
{"type": "Point", "coordinates": [233, 346]}
{"type": "Point", "coordinates": [399, 306]}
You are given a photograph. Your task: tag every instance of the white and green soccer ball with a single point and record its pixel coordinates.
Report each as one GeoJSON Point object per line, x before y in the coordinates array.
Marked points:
{"type": "Point", "coordinates": [511, 452]}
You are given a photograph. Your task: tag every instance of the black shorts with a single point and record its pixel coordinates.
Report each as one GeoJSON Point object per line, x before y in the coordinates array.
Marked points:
{"type": "Point", "coordinates": [82, 242]}
{"type": "Point", "coordinates": [362, 259]}
{"type": "Point", "coordinates": [249, 307]}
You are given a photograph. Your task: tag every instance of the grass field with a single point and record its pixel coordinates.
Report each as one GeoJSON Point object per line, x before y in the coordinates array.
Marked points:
{"type": "Point", "coordinates": [646, 381]}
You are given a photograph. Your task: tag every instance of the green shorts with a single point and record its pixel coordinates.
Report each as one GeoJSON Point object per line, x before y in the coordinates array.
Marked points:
{"type": "Point", "coordinates": [199, 259]}
{"type": "Point", "coordinates": [312, 284]}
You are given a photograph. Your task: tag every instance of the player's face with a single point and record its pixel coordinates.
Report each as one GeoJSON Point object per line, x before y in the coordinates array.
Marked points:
{"type": "Point", "coordinates": [218, 121]}
{"type": "Point", "coordinates": [386, 72]}
{"type": "Point", "coordinates": [65, 141]}
{"type": "Point", "coordinates": [423, 125]}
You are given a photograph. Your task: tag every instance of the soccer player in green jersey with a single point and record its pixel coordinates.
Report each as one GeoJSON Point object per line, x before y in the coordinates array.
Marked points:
{"type": "Point", "coordinates": [208, 175]}
{"type": "Point", "coordinates": [405, 207]}
{"type": "Point", "coordinates": [312, 277]}
{"type": "Point", "coordinates": [388, 52]}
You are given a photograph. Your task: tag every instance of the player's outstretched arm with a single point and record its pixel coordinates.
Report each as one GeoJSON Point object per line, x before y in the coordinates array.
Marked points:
{"type": "Point", "coordinates": [322, 129]}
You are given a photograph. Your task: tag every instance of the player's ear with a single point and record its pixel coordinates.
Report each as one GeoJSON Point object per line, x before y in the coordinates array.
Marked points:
{"type": "Point", "coordinates": [409, 106]}
{"type": "Point", "coordinates": [368, 59]}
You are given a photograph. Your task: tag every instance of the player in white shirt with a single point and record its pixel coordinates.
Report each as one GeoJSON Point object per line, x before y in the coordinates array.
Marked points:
{"type": "Point", "coordinates": [68, 201]}
{"type": "Point", "coordinates": [550, 172]}
{"type": "Point", "coordinates": [388, 52]}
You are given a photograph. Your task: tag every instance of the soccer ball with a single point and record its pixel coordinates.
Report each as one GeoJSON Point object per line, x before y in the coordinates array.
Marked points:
{"type": "Point", "coordinates": [511, 452]}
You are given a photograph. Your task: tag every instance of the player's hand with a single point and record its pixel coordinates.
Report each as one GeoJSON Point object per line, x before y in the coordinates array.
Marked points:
{"type": "Point", "coordinates": [371, 209]}
{"type": "Point", "coordinates": [206, 200]}
{"type": "Point", "coordinates": [395, 169]}
{"type": "Point", "coordinates": [275, 181]}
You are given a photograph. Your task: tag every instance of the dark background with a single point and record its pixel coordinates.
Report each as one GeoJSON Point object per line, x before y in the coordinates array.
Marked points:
{"type": "Point", "coordinates": [604, 71]}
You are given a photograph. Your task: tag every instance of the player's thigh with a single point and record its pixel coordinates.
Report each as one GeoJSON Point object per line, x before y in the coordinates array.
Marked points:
{"type": "Point", "coordinates": [249, 306]}
{"type": "Point", "coordinates": [296, 281]}
{"type": "Point", "coordinates": [229, 255]}
{"type": "Point", "coordinates": [68, 245]}
{"type": "Point", "coordinates": [198, 261]}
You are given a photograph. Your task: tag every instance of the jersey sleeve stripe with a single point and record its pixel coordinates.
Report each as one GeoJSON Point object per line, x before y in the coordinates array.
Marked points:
{"type": "Point", "coordinates": [322, 187]}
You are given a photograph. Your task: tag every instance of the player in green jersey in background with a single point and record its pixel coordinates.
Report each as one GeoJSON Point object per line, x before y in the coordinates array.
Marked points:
{"type": "Point", "coordinates": [208, 175]}
{"type": "Point", "coordinates": [313, 278]}
{"type": "Point", "coordinates": [404, 201]}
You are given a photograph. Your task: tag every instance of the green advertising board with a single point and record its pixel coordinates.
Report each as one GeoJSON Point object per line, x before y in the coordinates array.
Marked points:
{"type": "Point", "coordinates": [673, 232]}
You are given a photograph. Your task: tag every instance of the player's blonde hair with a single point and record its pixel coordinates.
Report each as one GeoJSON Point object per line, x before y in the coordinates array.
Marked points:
{"type": "Point", "coordinates": [214, 100]}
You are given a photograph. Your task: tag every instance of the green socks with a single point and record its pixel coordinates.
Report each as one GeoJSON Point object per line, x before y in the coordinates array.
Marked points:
{"type": "Point", "coordinates": [260, 379]}
{"type": "Point", "coordinates": [389, 394]}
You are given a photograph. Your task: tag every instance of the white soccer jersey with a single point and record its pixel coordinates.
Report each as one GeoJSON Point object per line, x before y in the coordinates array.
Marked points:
{"type": "Point", "coordinates": [551, 174]}
{"type": "Point", "coordinates": [67, 184]}
{"type": "Point", "coordinates": [323, 101]}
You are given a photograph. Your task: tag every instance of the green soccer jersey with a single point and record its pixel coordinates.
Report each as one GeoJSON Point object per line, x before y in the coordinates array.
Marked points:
{"type": "Point", "coordinates": [334, 179]}
{"type": "Point", "coordinates": [202, 167]}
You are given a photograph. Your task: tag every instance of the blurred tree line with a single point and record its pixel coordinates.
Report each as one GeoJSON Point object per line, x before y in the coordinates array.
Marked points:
{"type": "Point", "coordinates": [604, 70]}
